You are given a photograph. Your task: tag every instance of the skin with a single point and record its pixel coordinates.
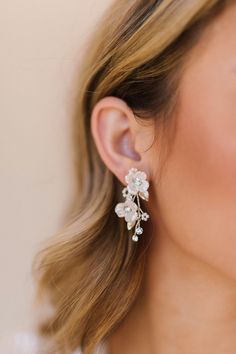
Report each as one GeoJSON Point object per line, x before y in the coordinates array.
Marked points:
{"type": "Point", "coordinates": [188, 301]}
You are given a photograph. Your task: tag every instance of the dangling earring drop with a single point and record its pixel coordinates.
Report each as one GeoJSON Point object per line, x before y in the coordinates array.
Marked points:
{"type": "Point", "coordinates": [137, 186]}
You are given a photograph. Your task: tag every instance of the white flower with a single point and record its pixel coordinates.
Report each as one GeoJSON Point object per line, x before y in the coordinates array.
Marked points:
{"type": "Point", "coordinates": [125, 192]}
{"type": "Point", "coordinates": [128, 210]}
{"type": "Point", "coordinates": [139, 230]}
{"type": "Point", "coordinates": [145, 216]}
{"type": "Point", "coordinates": [137, 183]}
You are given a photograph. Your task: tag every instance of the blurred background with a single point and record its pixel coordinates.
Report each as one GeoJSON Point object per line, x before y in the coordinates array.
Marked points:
{"type": "Point", "coordinates": [41, 44]}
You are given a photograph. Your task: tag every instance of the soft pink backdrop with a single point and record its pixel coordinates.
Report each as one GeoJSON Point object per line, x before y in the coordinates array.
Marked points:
{"type": "Point", "coordinates": [41, 42]}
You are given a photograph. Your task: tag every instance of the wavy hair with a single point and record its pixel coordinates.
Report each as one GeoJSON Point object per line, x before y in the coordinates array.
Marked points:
{"type": "Point", "coordinates": [91, 271]}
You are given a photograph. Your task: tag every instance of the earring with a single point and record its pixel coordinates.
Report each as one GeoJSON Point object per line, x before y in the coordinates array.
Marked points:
{"type": "Point", "coordinates": [130, 210]}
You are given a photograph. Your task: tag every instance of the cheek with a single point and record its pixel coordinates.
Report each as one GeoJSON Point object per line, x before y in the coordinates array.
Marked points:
{"type": "Point", "coordinates": [197, 193]}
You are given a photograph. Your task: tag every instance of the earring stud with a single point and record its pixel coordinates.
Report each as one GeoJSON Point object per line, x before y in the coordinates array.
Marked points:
{"type": "Point", "coordinates": [137, 187]}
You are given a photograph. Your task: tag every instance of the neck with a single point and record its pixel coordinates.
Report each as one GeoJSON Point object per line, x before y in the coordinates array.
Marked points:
{"type": "Point", "coordinates": [185, 306]}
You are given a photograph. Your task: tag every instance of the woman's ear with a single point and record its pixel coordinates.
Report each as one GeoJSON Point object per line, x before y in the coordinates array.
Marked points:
{"type": "Point", "coordinates": [117, 136]}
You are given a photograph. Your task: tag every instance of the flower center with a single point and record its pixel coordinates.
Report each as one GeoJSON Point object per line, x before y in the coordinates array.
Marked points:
{"type": "Point", "coordinates": [137, 181]}
{"type": "Point", "coordinates": [128, 209]}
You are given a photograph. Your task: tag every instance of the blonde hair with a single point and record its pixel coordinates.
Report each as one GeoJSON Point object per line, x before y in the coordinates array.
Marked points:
{"type": "Point", "coordinates": [92, 271]}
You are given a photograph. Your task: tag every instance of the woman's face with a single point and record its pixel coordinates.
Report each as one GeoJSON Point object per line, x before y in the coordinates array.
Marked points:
{"type": "Point", "coordinates": [197, 194]}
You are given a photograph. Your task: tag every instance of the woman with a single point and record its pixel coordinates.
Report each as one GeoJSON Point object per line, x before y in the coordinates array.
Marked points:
{"type": "Point", "coordinates": [157, 94]}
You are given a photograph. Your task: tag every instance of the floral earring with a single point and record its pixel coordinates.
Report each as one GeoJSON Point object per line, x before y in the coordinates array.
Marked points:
{"type": "Point", "coordinates": [132, 212]}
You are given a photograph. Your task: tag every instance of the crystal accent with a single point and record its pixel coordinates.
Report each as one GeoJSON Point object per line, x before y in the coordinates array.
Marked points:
{"type": "Point", "coordinates": [139, 230]}
{"type": "Point", "coordinates": [135, 238]}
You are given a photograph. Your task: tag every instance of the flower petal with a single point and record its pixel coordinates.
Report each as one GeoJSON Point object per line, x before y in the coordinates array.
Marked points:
{"type": "Point", "coordinates": [131, 217]}
{"type": "Point", "coordinates": [144, 195]}
{"type": "Point", "coordinates": [141, 174]}
{"type": "Point", "coordinates": [130, 224]}
{"type": "Point", "coordinates": [119, 209]}
{"type": "Point", "coordinates": [132, 189]}
{"type": "Point", "coordinates": [144, 186]}
{"type": "Point", "coordinates": [131, 204]}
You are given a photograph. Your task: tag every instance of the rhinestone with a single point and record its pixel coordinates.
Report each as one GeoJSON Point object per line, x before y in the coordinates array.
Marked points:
{"type": "Point", "coordinates": [135, 238]}
{"type": "Point", "coordinates": [127, 209]}
{"type": "Point", "coordinates": [138, 181]}
{"type": "Point", "coordinates": [139, 230]}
